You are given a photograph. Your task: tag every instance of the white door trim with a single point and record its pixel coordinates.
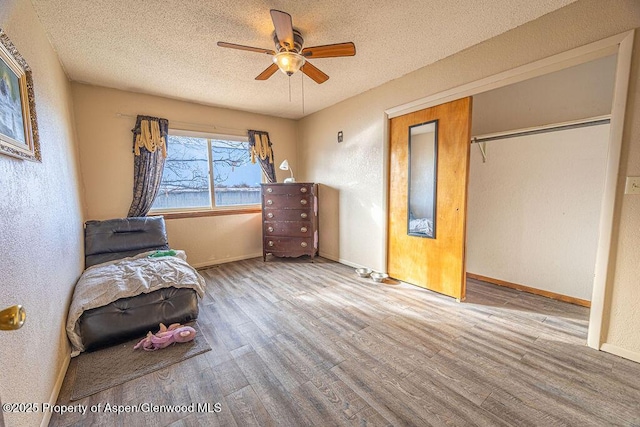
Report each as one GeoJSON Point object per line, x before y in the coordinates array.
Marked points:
{"type": "Point", "coordinates": [622, 44]}
{"type": "Point", "coordinates": [595, 336]}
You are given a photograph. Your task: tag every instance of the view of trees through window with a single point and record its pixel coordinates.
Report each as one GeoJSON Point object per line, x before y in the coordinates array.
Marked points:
{"type": "Point", "coordinates": [190, 162]}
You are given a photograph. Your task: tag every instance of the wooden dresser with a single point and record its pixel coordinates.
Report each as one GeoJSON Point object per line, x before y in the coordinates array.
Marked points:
{"type": "Point", "coordinates": [290, 219]}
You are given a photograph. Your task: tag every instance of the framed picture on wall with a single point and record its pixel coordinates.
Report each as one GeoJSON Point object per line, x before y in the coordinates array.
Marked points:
{"type": "Point", "coordinates": [18, 124]}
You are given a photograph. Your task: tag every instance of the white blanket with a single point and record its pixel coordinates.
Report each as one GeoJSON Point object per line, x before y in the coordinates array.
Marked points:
{"type": "Point", "coordinates": [421, 225]}
{"type": "Point", "coordinates": [104, 283]}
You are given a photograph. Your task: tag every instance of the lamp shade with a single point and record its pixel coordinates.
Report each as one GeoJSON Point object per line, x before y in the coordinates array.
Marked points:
{"type": "Point", "coordinates": [285, 167]}
{"type": "Point", "coordinates": [288, 62]}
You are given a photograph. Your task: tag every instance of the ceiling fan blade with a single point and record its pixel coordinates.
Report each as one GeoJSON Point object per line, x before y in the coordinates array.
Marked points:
{"type": "Point", "coordinates": [268, 72]}
{"type": "Point", "coordinates": [284, 28]}
{"type": "Point", "coordinates": [330, 50]}
{"type": "Point", "coordinates": [249, 48]}
{"type": "Point", "coordinates": [314, 73]}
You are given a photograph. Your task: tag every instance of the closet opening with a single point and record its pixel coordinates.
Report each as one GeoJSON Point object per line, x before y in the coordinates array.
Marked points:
{"type": "Point", "coordinates": [536, 181]}
{"type": "Point", "coordinates": [619, 48]}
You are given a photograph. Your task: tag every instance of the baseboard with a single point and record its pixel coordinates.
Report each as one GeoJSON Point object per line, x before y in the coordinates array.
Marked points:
{"type": "Point", "coordinates": [622, 352]}
{"type": "Point", "coordinates": [541, 292]}
{"type": "Point", "coordinates": [203, 265]}
{"type": "Point", "coordinates": [330, 257]}
{"type": "Point", "coordinates": [207, 264]}
{"type": "Point", "coordinates": [56, 389]}
{"type": "Point", "coordinates": [340, 260]}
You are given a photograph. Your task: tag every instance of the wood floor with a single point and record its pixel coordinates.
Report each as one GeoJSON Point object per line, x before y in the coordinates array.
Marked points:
{"type": "Point", "coordinates": [298, 344]}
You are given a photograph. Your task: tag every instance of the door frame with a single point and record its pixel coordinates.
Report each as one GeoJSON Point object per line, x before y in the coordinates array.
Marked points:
{"type": "Point", "coordinates": [620, 44]}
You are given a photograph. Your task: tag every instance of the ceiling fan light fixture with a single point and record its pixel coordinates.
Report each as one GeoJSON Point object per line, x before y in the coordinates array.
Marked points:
{"type": "Point", "coordinates": [289, 62]}
{"type": "Point", "coordinates": [289, 55]}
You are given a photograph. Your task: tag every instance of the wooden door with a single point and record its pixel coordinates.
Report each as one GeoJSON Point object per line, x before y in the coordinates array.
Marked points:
{"type": "Point", "coordinates": [434, 261]}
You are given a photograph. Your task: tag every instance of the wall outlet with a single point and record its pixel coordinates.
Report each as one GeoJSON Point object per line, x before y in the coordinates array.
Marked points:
{"type": "Point", "coordinates": [633, 185]}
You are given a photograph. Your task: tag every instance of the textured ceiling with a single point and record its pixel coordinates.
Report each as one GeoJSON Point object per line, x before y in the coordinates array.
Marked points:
{"type": "Point", "coordinates": [168, 47]}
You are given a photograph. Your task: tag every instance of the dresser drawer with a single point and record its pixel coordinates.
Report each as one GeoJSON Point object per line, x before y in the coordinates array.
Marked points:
{"type": "Point", "coordinates": [289, 228]}
{"type": "Point", "coordinates": [281, 201]}
{"type": "Point", "coordinates": [287, 215]}
{"type": "Point", "coordinates": [290, 189]}
{"type": "Point", "coordinates": [298, 245]}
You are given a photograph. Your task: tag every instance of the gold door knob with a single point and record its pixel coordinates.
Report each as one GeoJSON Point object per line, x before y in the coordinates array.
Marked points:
{"type": "Point", "coordinates": [269, 190]}
{"type": "Point", "coordinates": [303, 190]}
{"type": "Point", "coordinates": [269, 215]}
{"type": "Point", "coordinates": [303, 229]}
{"type": "Point", "coordinates": [303, 201]}
{"type": "Point", "coordinates": [303, 215]}
{"type": "Point", "coordinates": [269, 202]}
{"type": "Point", "coordinates": [12, 318]}
{"type": "Point", "coordinates": [270, 229]}
{"type": "Point", "coordinates": [303, 244]}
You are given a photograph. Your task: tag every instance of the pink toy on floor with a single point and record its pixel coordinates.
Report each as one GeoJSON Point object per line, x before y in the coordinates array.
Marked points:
{"type": "Point", "coordinates": [166, 336]}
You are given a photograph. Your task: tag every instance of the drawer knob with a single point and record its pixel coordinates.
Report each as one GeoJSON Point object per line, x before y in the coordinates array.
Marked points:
{"type": "Point", "coordinates": [270, 229]}
{"type": "Point", "coordinates": [303, 229]}
{"type": "Point", "coordinates": [269, 190]}
{"type": "Point", "coordinates": [270, 215]}
{"type": "Point", "coordinates": [303, 190]}
{"type": "Point", "coordinates": [303, 201]}
{"type": "Point", "coordinates": [269, 202]}
{"type": "Point", "coordinates": [270, 243]}
{"type": "Point", "coordinates": [303, 215]}
{"type": "Point", "coordinates": [303, 244]}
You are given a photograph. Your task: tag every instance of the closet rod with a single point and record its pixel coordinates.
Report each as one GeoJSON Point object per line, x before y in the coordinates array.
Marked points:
{"type": "Point", "coordinates": [240, 132]}
{"type": "Point", "coordinates": [544, 129]}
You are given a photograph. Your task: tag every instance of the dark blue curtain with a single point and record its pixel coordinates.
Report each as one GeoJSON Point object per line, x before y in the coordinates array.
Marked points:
{"type": "Point", "coordinates": [148, 165]}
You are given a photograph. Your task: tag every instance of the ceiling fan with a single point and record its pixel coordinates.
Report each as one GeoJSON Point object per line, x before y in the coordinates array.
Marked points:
{"type": "Point", "coordinates": [289, 55]}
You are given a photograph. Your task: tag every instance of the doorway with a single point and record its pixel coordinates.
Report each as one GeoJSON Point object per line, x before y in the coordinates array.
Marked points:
{"type": "Point", "coordinates": [621, 44]}
{"type": "Point", "coordinates": [537, 171]}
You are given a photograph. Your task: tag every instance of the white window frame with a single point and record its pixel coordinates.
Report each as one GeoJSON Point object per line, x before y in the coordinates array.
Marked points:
{"type": "Point", "coordinates": [212, 208]}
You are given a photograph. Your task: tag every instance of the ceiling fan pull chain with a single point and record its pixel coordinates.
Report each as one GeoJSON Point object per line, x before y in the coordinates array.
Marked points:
{"type": "Point", "coordinates": [302, 78]}
{"type": "Point", "coordinates": [289, 88]}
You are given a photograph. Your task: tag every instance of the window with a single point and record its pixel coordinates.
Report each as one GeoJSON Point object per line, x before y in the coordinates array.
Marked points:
{"type": "Point", "coordinates": [199, 163]}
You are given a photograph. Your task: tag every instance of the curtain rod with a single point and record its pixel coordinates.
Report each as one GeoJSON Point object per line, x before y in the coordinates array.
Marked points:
{"type": "Point", "coordinates": [202, 125]}
{"type": "Point", "coordinates": [543, 129]}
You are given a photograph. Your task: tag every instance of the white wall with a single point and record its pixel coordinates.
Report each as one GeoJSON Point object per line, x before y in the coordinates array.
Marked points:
{"type": "Point", "coordinates": [106, 159]}
{"type": "Point", "coordinates": [351, 204]}
{"type": "Point", "coordinates": [574, 93]}
{"type": "Point", "coordinates": [534, 208]}
{"type": "Point", "coordinates": [214, 240]}
{"type": "Point", "coordinates": [40, 227]}
{"type": "Point", "coordinates": [533, 179]}
{"type": "Point", "coordinates": [352, 215]}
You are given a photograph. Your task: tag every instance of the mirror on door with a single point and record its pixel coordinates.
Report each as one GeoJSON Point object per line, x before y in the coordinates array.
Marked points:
{"type": "Point", "coordinates": [423, 158]}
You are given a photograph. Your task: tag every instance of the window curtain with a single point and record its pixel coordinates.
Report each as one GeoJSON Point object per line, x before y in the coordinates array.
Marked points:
{"type": "Point", "coordinates": [150, 152]}
{"type": "Point", "coordinates": [261, 149]}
